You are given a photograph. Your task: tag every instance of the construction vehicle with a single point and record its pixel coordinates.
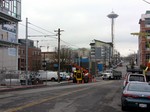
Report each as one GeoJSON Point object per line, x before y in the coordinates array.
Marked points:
{"type": "Point", "coordinates": [81, 75]}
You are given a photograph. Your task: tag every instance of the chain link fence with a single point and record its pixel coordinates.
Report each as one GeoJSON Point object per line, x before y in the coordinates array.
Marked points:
{"type": "Point", "coordinates": [9, 77]}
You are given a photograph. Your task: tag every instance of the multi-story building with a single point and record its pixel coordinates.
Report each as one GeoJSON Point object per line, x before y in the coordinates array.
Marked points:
{"type": "Point", "coordinates": [10, 15]}
{"type": "Point", "coordinates": [144, 39]}
{"type": "Point", "coordinates": [34, 56]}
{"type": "Point", "coordinates": [101, 54]}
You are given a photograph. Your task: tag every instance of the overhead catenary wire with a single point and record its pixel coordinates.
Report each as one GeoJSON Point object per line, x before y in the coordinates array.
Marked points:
{"type": "Point", "coordinates": [42, 28]}
{"type": "Point", "coordinates": [146, 1]}
{"type": "Point", "coordinates": [44, 35]}
{"type": "Point", "coordinates": [32, 28]}
{"type": "Point", "coordinates": [69, 43]}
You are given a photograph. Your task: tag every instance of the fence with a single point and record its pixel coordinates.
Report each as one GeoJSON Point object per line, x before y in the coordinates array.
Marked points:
{"type": "Point", "coordinates": [9, 77]}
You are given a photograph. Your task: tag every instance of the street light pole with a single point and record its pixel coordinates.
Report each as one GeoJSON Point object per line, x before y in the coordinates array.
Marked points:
{"type": "Point", "coordinates": [26, 51]}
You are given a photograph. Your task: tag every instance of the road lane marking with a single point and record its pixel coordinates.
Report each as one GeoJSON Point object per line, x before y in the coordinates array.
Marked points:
{"type": "Point", "coordinates": [51, 98]}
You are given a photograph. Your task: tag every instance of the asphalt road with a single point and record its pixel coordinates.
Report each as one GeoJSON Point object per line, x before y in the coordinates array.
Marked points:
{"type": "Point", "coordinates": [100, 96]}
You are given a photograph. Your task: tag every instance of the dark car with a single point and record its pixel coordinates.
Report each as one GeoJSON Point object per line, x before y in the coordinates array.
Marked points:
{"type": "Point", "coordinates": [136, 95]}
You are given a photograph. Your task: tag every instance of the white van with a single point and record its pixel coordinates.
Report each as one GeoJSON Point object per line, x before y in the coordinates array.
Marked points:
{"type": "Point", "coordinates": [48, 75]}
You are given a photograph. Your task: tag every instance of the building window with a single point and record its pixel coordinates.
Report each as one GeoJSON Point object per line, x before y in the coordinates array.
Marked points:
{"type": "Point", "coordinates": [147, 44]}
{"type": "Point", "coordinates": [147, 21]}
{"type": "Point", "coordinates": [11, 7]}
{"type": "Point", "coordinates": [147, 57]}
{"type": "Point", "coordinates": [22, 60]}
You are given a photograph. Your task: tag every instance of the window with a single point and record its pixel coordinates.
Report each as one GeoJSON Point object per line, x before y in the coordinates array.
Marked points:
{"type": "Point", "coordinates": [147, 56]}
{"type": "Point", "coordinates": [147, 21]}
{"type": "Point", "coordinates": [11, 7]}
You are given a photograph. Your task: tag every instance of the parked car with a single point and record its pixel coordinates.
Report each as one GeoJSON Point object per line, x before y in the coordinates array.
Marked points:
{"type": "Point", "coordinates": [136, 95]}
{"type": "Point", "coordinates": [63, 75]}
{"type": "Point", "coordinates": [133, 77]}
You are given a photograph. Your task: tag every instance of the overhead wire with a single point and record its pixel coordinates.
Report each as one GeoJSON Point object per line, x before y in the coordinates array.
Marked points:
{"type": "Point", "coordinates": [47, 31]}
{"type": "Point", "coordinates": [146, 1]}
{"type": "Point", "coordinates": [32, 28]}
{"type": "Point", "coordinates": [42, 28]}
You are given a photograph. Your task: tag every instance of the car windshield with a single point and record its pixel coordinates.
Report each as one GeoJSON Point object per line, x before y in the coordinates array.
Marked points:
{"type": "Point", "coordinates": [136, 78]}
{"type": "Point", "coordinates": [139, 87]}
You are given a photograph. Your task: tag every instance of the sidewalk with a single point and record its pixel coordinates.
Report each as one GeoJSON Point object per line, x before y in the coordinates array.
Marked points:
{"type": "Point", "coordinates": [22, 87]}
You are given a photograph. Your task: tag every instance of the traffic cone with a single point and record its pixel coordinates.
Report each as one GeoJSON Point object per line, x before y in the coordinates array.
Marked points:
{"type": "Point", "coordinates": [82, 81]}
{"type": "Point", "coordinates": [77, 81]}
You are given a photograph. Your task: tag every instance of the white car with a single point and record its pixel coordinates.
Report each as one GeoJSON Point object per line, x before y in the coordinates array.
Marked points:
{"type": "Point", "coordinates": [134, 77]}
{"type": "Point", "coordinates": [106, 76]}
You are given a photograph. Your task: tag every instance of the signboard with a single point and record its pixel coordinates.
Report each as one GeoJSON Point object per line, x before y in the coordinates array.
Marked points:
{"type": "Point", "coordinates": [9, 27]}
{"type": "Point", "coordinates": [12, 51]}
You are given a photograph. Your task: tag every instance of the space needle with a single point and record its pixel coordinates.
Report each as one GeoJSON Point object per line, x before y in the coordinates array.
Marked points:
{"type": "Point", "coordinates": [112, 16]}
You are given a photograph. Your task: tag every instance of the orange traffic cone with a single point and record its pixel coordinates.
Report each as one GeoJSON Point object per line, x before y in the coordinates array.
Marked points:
{"type": "Point", "coordinates": [82, 81]}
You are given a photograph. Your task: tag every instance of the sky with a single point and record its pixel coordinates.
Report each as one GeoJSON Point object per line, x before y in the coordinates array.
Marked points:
{"type": "Point", "coordinates": [83, 21]}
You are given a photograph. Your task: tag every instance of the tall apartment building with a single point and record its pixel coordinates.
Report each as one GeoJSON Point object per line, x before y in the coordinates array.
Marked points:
{"type": "Point", "coordinates": [144, 39]}
{"type": "Point", "coordinates": [10, 15]}
{"type": "Point", "coordinates": [101, 53]}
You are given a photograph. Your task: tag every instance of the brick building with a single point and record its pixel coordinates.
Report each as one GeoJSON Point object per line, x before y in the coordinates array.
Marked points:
{"type": "Point", "coordinates": [34, 56]}
{"type": "Point", "coordinates": [144, 39]}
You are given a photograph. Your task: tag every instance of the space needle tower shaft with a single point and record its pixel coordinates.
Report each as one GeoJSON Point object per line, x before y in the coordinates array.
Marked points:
{"type": "Point", "coordinates": [112, 16]}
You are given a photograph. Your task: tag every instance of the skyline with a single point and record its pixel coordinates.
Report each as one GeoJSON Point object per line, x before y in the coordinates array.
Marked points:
{"type": "Point", "coordinates": [84, 21]}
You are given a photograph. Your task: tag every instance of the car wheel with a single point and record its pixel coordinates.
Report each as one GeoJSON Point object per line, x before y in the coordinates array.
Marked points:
{"type": "Point", "coordinates": [53, 79]}
{"type": "Point", "coordinates": [124, 108]}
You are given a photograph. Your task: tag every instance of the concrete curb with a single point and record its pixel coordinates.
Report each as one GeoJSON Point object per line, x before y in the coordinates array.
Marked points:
{"type": "Point", "coordinates": [23, 87]}
{"type": "Point", "coordinates": [15, 88]}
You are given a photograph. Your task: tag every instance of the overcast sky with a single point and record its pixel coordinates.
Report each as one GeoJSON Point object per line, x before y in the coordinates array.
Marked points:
{"type": "Point", "coordinates": [84, 21]}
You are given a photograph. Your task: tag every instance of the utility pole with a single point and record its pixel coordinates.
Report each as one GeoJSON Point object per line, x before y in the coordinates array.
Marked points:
{"type": "Point", "coordinates": [26, 51]}
{"type": "Point", "coordinates": [58, 73]}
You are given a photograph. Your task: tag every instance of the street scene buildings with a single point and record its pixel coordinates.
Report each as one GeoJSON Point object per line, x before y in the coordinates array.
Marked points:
{"type": "Point", "coordinates": [101, 55]}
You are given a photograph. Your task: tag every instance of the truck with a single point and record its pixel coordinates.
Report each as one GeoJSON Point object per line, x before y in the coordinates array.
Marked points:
{"type": "Point", "coordinates": [111, 74]}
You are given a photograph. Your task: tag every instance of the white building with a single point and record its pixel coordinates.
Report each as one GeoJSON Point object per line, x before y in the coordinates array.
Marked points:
{"type": "Point", "coordinates": [10, 15]}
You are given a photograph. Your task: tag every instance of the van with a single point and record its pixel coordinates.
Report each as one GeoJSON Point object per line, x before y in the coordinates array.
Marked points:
{"type": "Point", "coordinates": [48, 75]}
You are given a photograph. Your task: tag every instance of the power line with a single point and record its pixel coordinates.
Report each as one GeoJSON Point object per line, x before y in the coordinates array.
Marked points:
{"type": "Point", "coordinates": [46, 35]}
{"type": "Point", "coordinates": [32, 28]}
{"type": "Point", "coordinates": [42, 28]}
{"type": "Point", "coordinates": [70, 44]}
{"type": "Point", "coordinates": [146, 1]}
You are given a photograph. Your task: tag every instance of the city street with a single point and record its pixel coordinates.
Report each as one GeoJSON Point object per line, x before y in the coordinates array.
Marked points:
{"type": "Point", "coordinates": [100, 96]}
